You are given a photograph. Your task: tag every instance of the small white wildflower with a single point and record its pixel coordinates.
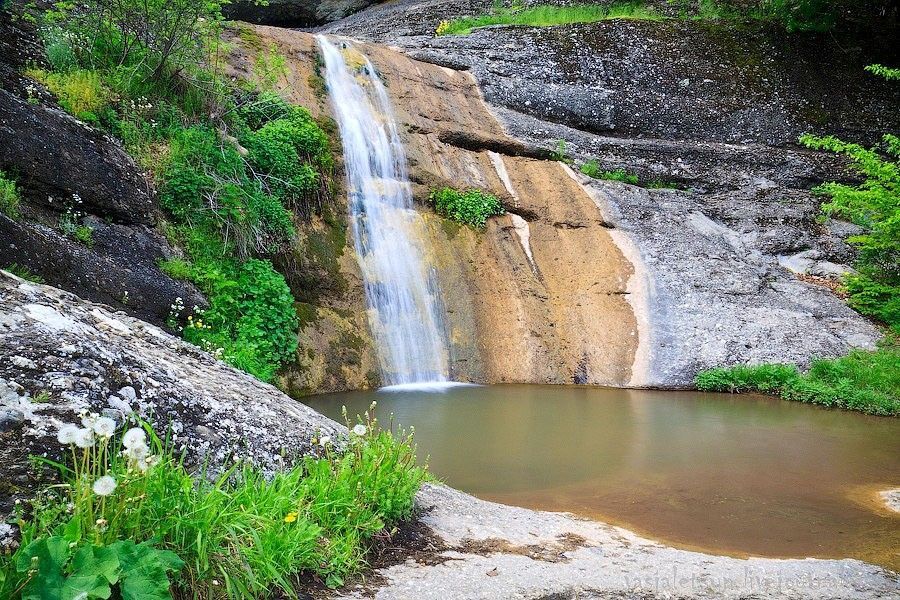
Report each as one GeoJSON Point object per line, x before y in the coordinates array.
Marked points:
{"type": "Point", "coordinates": [66, 434]}
{"type": "Point", "coordinates": [325, 439]}
{"type": "Point", "coordinates": [104, 486]}
{"type": "Point", "coordinates": [134, 437]}
{"type": "Point", "coordinates": [359, 429]}
{"type": "Point", "coordinates": [104, 427]}
{"type": "Point", "coordinates": [84, 438]}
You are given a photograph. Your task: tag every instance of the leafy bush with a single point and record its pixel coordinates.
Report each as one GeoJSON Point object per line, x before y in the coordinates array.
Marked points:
{"type": "Point", "coordinates": [250, 322]}
{"type": "Point", "coordinates": [874, 205]}
{"type": "Point", "coordinates": [131, 514]}
{"type": "Point", "coordinates": [863, 381]}
{"type": "Point", "coordinates": [472, 207]}
{"type": "Point", "coordinates": [9, 197]}
{"type": "Point", "coordinates": [885, 72]}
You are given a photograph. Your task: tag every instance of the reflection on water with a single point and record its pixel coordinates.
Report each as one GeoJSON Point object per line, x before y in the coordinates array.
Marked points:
{"type": "Point", "coordinates": [736, 474]}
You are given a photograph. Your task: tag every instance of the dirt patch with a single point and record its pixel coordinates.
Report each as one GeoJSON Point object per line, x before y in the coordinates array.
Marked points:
{"type": "Point", "coordinates": [554, 553]}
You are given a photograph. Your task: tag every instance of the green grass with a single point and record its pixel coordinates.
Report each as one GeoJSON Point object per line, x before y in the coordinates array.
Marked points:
{"type": "Point", "coordinates": [864, 381]}
{"type": "Point", "coordinates": [24, 272]}
{"type": "Point", "coordinates": [548, 15]}
{"type": "Point", "coordinates": [239, 535]}
{"type": "Point", "coordinates": [9, 197]}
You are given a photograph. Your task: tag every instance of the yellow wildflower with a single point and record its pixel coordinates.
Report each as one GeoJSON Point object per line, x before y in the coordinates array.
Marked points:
{"type": "Point", "coordinates": [442, 27]}
{"type": "Point", "coordinates": [290, 517]}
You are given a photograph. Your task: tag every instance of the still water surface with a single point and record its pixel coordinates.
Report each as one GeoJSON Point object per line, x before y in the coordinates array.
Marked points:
{"type": "Point", "coordinates": [743, 475]}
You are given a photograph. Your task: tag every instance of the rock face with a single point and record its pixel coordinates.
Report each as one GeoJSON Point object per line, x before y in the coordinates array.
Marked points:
{"type": "Point", "coordinates": [302, 13]}
{"type": "Point", "coordinates": [711, 109]}
{"type": "Point", "coordinates": [84, 356]}
{"type": "Point", "coordinates": [59, 157]}
{"type": "Point", "coordinates": [499, 552]}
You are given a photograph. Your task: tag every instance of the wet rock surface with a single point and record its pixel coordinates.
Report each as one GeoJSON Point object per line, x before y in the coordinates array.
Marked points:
{"type": "Point", "coordinates": [60, 354]}
{"type": "Point", "coordinates": [499, 552]}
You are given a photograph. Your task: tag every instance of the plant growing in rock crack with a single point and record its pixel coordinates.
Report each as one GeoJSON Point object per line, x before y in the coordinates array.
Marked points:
{"type": "Point", "coordinates": [472, 207]}
{"type": "Point", "coordinates": [9, 197]}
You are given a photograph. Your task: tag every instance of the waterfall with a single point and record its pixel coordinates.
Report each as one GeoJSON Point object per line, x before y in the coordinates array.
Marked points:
{"type": "Point", "coordinates": [402, 295]}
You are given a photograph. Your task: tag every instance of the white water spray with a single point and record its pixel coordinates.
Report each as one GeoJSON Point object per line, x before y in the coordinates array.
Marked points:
{"type": "Point", "coordinates": [402, 295]}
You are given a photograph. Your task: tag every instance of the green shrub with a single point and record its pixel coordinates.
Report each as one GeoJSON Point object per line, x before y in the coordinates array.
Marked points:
{"type": "Point", "coordinates": [250, 322]}
{"type": "Point", "coordinates": [9, 197]}
{"type": "Point", "coordinates": [885, 72]}
{"type": "Point", "coordinates": [862, 381]}
{"type": "Point", "coordinates": [472, 207]}
{"type": "Point", "coordinates": [874, 205]}
{"type": "Point", "coordinates": [131, 515]}
{"type": "Point", "coordinates": [592, 169]}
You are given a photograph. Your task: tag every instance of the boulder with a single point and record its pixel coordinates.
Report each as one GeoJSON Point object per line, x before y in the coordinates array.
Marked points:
{"type": "Point", "coordinates": [60, 355]}
{"type": "Point", "coordinates": [60, 162]}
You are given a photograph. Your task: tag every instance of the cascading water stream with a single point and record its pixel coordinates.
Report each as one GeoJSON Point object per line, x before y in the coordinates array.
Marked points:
{"type": "Point", "coordinates": [402, 295]}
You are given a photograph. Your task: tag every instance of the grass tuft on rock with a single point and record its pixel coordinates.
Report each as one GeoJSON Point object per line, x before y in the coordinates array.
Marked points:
{"type": "Point", "coordinates": [549, 15]}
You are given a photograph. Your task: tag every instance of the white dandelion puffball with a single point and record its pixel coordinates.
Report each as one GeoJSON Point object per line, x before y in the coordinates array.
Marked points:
{"type": "Point", "coordinates": [84, 438]}
{"type": "Point", "coordinates": [104, 486]}
{"type": "Point", "coordinates": [88, 421]}
{"type": "Point", "coordinates": [325, 439]}
{"type": "Point", "coordinates": [359, 429]}
{"type": "Point", "coordinates": [104, 427]}
{"type": "Point", "coordinates": [134, 437]}
{"type": "Point", "coordinates": [66, 434]}
{"type": "Point", "coordinates": [137, 453]}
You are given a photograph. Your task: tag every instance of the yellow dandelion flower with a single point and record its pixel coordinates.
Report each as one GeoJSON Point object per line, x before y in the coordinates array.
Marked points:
{"type": "Point", "coordinates": [290, 517]}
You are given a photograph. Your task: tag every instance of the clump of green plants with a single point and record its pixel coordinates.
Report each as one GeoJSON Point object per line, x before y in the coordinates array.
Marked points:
{"type": "Point", "coordinates": [131, 519]}
{"type": "Point", "coordinates": [548, 15]}
{"type": "Point", "coordinates": [592, 169]}
{"type": "Point", "coordinates": [80, 92]}
{"type": "Point", "coordinates": [471, 207]}
{"type": "Point", "coordinates": [874, 205]}
{"type": "Point", "coordinates": [9, 197]}
{"type": "Point", "coordinates": [864, 381]}
{"type": "Point", "coordinates": [24, 272]}
{"type": "Point", "coordinates": [885, 72]}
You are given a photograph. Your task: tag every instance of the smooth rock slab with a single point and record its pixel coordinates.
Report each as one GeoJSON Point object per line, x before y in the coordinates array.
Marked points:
{"type": "Point", "coordinates": [501, 552]}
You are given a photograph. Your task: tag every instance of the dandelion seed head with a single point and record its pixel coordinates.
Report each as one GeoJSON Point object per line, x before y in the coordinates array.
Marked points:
{"type": "Point", "coordinates": [134, 437]}
{"type": "Point", "coordinates": [104, 427]}
{"type": "Point", "coordinates": [66, 434]}
{"type": "Point", "coordinates": [359, 429]}
{"type": "Point", "coordinates": [104, 486]}
{"type": "Point", "coordinates": [84, 438]}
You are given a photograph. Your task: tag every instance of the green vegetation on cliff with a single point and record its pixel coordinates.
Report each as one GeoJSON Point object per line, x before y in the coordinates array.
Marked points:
{"type": "Point", "coordinates": [547, 15]}
{"type": "Point", "coordinates": [793, 15]}
{"type": "Point", "coordinates": [9, 197]}
{"type": "Point", "coordinates": [132, 521]}
{"type": "Point", "coordinates": [235, 168]}
{"type": "Point", "coordinates": [471, 207]}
